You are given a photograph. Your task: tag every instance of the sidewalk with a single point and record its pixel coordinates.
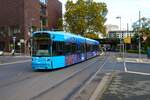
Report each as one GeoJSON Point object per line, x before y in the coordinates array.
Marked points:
{"type": "Point", "coordinates": [10, 59]}
{"type": "Point", "coordinates": [125, 86]}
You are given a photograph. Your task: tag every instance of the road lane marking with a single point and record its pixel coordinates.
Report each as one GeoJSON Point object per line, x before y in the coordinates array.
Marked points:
{"type": "Point", "coordinates": [101, 87]}
{"type": "Point", "coordinates": [62, 81]}
{"type": "Point", "coordinates": [23, 61]}
{"type": "Point", "coordinates": [94, 75]}
{"type": "Point", "coordinates": [125, 67]}
{"type": "Point", "coordinates": [134, 60]}
{"type": "Point", "coordinates": [140, 73]}
{"type": "Point", "coordinates": [133, 72]}
{"type": "Point", "coordinates": [90, 80]}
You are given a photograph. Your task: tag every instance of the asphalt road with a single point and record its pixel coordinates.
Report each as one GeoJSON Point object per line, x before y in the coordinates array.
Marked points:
{"type": "Point", "coordinates": [19, 82]}
{"type": "Point", "coordinates": [8, 59]}
{"type": "Point", "coordinates": [138, 67]}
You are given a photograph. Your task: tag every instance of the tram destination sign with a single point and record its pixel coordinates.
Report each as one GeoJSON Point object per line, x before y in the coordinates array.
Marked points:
{"type": "Point", "coordinates": [41, 37]}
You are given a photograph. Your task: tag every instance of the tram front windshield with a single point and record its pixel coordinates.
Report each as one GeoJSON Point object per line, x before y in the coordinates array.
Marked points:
{"type": "Point", "coordinates": [41, 45]}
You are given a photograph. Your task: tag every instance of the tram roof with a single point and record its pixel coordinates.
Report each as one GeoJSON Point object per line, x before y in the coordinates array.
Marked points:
{"type": "Point", "coordinates": [67, 35]}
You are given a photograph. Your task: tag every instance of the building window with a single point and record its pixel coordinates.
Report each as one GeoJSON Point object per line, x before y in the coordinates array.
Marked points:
{"type": "Point", "coordinates": [43, 10]}
{"type": "Point", "coordinates": [43, 1]}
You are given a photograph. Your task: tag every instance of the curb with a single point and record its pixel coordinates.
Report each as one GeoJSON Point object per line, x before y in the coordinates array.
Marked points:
{"type": "Point", "coordinates": [102, 86]}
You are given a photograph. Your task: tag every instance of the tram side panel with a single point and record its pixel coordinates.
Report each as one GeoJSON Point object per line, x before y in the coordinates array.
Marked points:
{"type": "Point", "coordinates": [65, 49]}
{"type": "Point", "coordinates": [91, 48]}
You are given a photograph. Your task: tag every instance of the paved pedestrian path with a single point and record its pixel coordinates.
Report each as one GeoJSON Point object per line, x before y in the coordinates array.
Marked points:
{"type": "Point", "coordinates": [126, 86]}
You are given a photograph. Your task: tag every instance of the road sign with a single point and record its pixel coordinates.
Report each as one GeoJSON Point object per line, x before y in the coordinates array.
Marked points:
{"type": "Point", "coordinates": [127, 40]}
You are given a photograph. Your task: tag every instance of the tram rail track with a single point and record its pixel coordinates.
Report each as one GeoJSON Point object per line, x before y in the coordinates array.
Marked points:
{"type": "Point", "coordinates": [43, 82]}
{"type": "Point", "coordinates": [30, 76]}
{"type": "Point", "coordinates": [71, 78]}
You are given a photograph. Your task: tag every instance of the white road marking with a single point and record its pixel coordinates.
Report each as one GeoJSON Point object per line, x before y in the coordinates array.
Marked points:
{"type": "Point", "coordinates": [23, 61]}
{"type": "Point", "coordinates": [99, 89]}
{"type": "Point", "coordinates": [89, 81]}
{"type": "Point", "coordinates": [140, 73]}
{"type": "Point", "coordinates": [133, 72]}
{"type": "Point", "coordinates": [125, 67]}
{"type": "Point", "coordinates": [63, 80]}
{"type": "Point", "coordinates": [96, 72]}
{"type": "Point", "coordinates": [135, 60]}
{"type": "Point", "coordinates": [21, 56]}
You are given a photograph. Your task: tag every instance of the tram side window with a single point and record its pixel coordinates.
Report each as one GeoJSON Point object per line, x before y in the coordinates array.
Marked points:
{"type": "Point", "coordinates": [78, 48]}
{"type": "Point", "coordinates": [88, 47]}
{"type": "Point", "coordinates": [74, 47]}
{"type": "Point", "coordinates": [82, 48]}
{"type": "Point", "coordinates": [58, 48]}
{"type": "Point", "coordinates": [95, 48]}
{"type": "Point", "coordinates": [67, 48]}
{"type": "Point", "coordinates": [91, 47]}
{"type": "Point", "coordinates": [70, 48]}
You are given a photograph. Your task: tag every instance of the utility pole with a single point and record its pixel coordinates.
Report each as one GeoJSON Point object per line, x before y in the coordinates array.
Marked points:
{"type": "Point", "coordinates": [127, 37]}
{"type": "Point", "coordinates": [32, 19]}
{"type": "Point", "coordinates": [119, 17]}
{"type": "Point", "coordinates": [14, 42]}
{"type": "Point", "coordinates": [139, 35]}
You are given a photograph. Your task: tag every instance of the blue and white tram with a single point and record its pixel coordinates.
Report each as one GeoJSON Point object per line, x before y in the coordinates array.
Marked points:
{"type": "Point", "coordinates": [52, 50]}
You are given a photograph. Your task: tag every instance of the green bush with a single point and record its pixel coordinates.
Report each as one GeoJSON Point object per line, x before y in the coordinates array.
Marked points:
{"type": "Point", "coordinates": [137, 51]}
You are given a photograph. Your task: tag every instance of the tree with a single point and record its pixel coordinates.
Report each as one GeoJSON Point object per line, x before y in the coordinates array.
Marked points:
{"type": "Point", "coordinates": [91, 35]}
{"type": "Point", "coordinates": [85, 17]}
{"type": "Point", "coordinates": [143, 31]}
{"type": "Point", "coordinates": [59, 24]}
{"type": "Point", "coordinates": [145, 26]}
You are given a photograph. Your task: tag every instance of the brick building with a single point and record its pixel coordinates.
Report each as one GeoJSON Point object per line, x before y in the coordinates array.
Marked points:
{"type": "Point", "coordinates": [18, 18]}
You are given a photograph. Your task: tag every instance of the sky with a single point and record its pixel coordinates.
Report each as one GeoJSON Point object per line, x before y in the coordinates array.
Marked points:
{"type": "Point", "coordinates": [127, 9]}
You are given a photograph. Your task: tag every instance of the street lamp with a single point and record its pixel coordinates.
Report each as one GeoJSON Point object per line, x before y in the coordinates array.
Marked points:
{"type": "Point", "coordinates": [31, 30]}
{"type": "Point", "coordinates": [14, 41]}
{"type": "Point", "coordinates": [119, 17]}
{"type": "Point", "coordinates": [139, 35]}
